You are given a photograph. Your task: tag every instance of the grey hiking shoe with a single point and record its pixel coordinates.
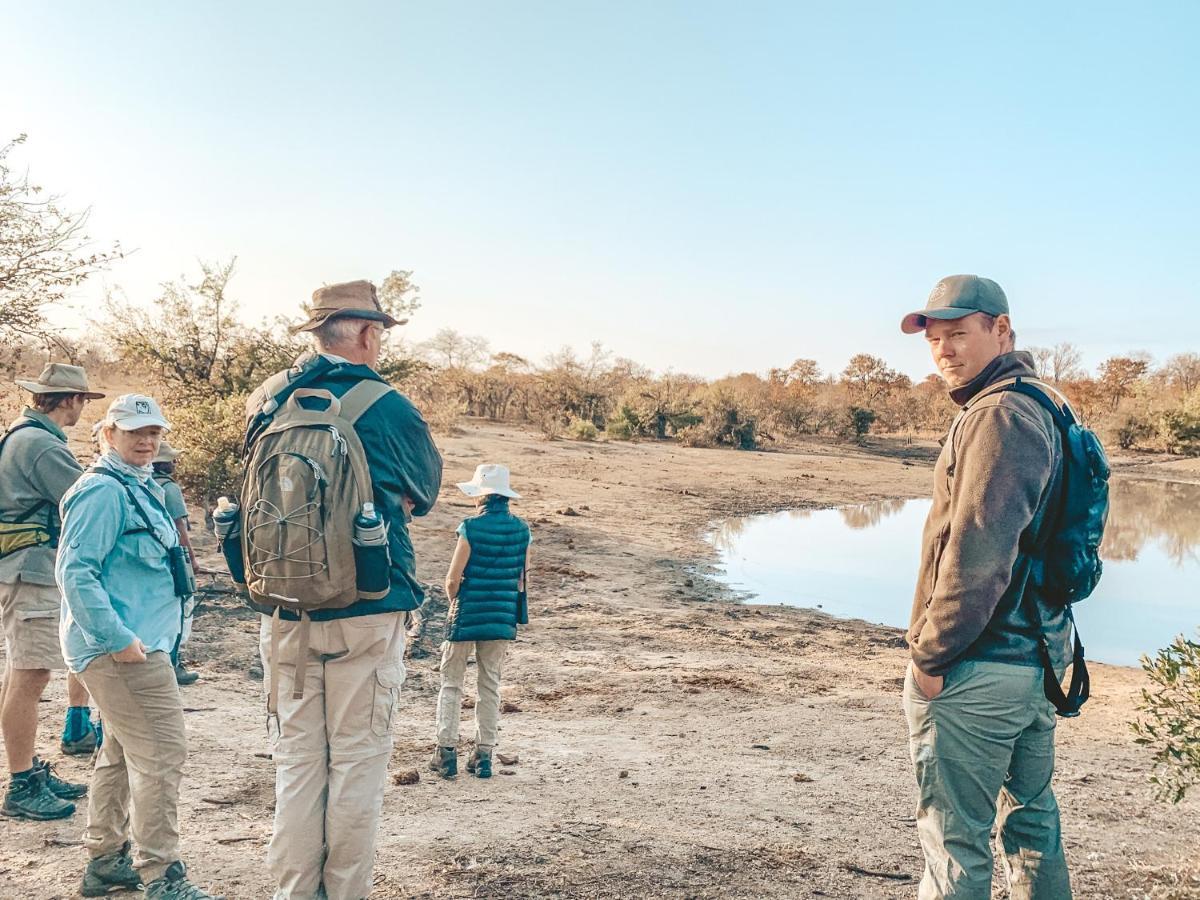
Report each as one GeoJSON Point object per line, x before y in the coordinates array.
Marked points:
{"type": "Point", "coordinates": [183, 676]}
{"type": "Point", "coordinates": [29, 797]}
{"type": "Point", "coordinates": [480, 763]}
{"type": "Point", "coordinates": [110, 872]}
{"type": "Point", "coordinates": [445, 761]}
{"type": "Point", "coordinates": [85, 746]}
{"type": "Point", "coordinates": [174, 885]}
{"type": "Point", "coordinates": [64, 790]}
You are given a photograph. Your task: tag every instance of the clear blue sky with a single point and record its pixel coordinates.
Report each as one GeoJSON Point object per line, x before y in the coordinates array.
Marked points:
{"type": "Point", "coordinates": [709, 187]}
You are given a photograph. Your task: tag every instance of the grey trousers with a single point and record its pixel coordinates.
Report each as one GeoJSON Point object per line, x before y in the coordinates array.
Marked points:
{"type": "Point", "coordinates": [983, 753]}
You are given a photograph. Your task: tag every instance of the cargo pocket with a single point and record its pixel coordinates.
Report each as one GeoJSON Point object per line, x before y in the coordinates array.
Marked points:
{"type": "Point", "coordinates": [387, 690]}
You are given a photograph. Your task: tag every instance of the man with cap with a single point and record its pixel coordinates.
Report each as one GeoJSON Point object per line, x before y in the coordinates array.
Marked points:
{"type": "Point", "coordinates": [981, 731]}
{"type": "Point", "coordinates": [164, 477]}
{"type": "Point", "coordinates": [330, 757]}
{"type": "Point", "coordinates": [36, 469]}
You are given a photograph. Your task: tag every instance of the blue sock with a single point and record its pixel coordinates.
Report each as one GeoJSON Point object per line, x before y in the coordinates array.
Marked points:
{"type": "Point", "coordinates": [78, 724]}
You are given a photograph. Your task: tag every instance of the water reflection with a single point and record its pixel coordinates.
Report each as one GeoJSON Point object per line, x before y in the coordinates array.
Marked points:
{"type": "Point", "coordinates": [860, 561]}
{"type": "Point", "coordinates": [1165, 512]}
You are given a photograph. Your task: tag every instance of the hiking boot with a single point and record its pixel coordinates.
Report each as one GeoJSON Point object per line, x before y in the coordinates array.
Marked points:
{"type": "Point", "coordinates": [480, 763]}
{"type": "Point", "coordinates": [445, 761]}
{"type": "Point", "coordinates": [183, 676]}
{"type": "Point", "coordinates": [64, 790]}
{"type": "Point", "coordinates": [29, 797]}
{"type": "Point", "coordinates": [110, 872]}
{"type": "Point", "coordinates": [174, 885]}
{"type": "Point", "coordinates": [84, 746]}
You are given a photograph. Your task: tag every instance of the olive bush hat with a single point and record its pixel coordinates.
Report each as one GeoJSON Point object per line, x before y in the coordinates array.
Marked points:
{"type": "Point", "coordinates": [59, 378]}
{"type": "Point", "coordinates": [956, 296]}
{"type": "Point", "coordinates": [350, 299]}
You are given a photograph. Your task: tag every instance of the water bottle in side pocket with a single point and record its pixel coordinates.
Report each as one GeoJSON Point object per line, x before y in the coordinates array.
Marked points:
{"type": "Point", "coordinates": [227, 526]}
{"type": "Point", "coordinates": [371, 560]}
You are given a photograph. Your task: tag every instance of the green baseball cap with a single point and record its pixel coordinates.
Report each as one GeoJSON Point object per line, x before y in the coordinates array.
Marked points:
{"type": "Point", "coordinates": [956, 296]}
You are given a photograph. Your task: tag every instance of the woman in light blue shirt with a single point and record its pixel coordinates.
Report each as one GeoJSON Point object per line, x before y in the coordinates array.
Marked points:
{"type": "Point", "coordinates": [117, 569]}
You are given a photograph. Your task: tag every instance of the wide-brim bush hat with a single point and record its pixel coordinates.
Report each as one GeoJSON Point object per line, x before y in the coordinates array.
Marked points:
{"type": "Point", "coordinates": [60, 378]}
{"type": "Point", "coordinates": [166, 453]}
{"type": "Point", "coordinates": [350, 299]}
{"type": "Point", "coordinates": [956, 296]}
{"type": "Point", "coordinates": [489, 479]}
{"type": "Point", "coordinates": [129, 412]}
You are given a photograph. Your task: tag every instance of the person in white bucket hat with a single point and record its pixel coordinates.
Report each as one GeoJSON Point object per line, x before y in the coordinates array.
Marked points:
{"type": "Point", "coordinates": [486, 590]}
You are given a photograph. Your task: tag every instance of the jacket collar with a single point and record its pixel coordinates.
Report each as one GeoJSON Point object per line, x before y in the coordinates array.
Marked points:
{"type": "Point", "coordinates": [1007, 365]}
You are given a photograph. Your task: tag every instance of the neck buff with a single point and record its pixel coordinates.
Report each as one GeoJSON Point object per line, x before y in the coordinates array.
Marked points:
{"type": "Point", "coordinates": [112, 459]}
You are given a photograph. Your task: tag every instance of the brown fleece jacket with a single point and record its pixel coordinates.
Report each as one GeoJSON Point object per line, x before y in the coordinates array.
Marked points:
{"type": "Point", "coordinates": [998, 468]}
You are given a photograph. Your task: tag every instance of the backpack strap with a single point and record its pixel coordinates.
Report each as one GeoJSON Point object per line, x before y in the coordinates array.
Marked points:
{"type": "Point", "coordinates": [356, 401]}
{"type": "Point", "coordinates": [41, 504]}
{"type": "Point", "coordinates": [1068, 704]}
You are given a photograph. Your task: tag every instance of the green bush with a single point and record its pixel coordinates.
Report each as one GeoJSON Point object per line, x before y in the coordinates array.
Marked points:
{"type": "Point", "coordinates": [210, 431]}
{"type": "Point", "coordinates": [1180, 431]}
{"type": "Point", "coordinates": [619, 429]}
{"type": "Point", "coordinates": [1172, 724]}
{"type": "Point", "coordinates": [581, 430]}
{"type": "Point", "coordinates": [859, 421]}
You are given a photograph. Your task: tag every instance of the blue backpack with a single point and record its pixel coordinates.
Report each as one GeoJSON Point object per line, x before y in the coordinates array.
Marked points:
{"type": "Point", "coordinates": [1065, 554]}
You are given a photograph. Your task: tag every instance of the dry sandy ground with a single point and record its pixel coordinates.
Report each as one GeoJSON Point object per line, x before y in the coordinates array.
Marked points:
{"type": "Point", "coordinates": [670, 742]}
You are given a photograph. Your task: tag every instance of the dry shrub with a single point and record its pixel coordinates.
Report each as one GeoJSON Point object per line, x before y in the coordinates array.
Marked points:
{"type": "Point", "coordinates": [443, 415]}
{"type": "Point", "coordinates": [579, 430]}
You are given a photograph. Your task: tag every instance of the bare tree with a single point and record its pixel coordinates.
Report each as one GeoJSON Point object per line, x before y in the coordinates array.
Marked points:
{"type": "Point", "coordinates": [1060, 363]}
{"type": "Point", "coordinates": [1183, 371]}
{"type": "Point", "coordinates": [450, 350]}
{"type": "Point", "coordinates": [44, 254]}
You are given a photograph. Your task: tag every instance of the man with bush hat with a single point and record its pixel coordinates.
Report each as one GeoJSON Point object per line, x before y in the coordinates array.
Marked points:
{"type": "Point", "coordinates": [331, 747]}
{"type": "Point", "coordinates": [36, 469]}
{"type": "Point", "coordinates": [981, 731]}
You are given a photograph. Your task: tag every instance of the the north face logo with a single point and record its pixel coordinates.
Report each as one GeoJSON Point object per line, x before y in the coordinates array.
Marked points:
{"type": "Point", "coordinates": [141, 407]}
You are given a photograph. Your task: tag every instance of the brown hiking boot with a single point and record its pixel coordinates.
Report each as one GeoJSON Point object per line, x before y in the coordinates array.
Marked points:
{"type": "Point", "coordinates": [445, 761]}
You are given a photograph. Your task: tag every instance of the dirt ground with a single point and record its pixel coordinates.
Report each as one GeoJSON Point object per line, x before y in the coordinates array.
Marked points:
{"type": "Point", "coordinates": [670, 741]}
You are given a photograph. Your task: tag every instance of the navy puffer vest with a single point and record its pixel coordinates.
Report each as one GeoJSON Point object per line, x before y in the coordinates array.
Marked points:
{"type": "Point", "coordinates": [487, 603]}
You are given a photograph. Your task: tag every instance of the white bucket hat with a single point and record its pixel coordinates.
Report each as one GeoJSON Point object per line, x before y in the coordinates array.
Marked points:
{"type": "Point", "coordinates": [489, 479]}
{"type": "Point", "coordinates": [129, 412]}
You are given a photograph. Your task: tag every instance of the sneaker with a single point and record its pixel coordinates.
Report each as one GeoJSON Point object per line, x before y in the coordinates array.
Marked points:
{"type": "Point", "coordinates": [64, 790]}
{"type": "Point", "coordinates": [85, 746]}
{"type": "Point", "coordinates": [29, 797]}
{"type": "Point", "coordinates": [183, 676]}
{"type": "Point", "coordinates": [445, 761]}
{"type": "Point", "coordinates": [174, 885]}
{"type": "Point", "coordinates": [480, 763]}
{"type": "Point", "coordinates": [111, 872]}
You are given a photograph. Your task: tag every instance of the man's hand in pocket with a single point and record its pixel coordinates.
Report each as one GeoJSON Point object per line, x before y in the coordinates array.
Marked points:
{"type": "Point", "coordinates": [929, 685]}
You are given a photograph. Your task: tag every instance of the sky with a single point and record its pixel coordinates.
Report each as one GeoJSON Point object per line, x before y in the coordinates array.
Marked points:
{"type": "Point", "coordinates": [702, 187]}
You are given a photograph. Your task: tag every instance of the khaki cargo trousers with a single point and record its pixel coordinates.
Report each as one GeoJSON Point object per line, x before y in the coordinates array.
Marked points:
{"type": "Point", "coordinates": [135, 785]}
{"type": "Point", "coordinates": [489, 659]}
{"type": "Point", "coordinates": [983, 752]}
{"type": "Point", "coordinates": [331, 751]}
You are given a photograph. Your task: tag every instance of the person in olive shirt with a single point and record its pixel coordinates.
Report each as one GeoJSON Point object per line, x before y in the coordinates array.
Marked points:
{"type": "Point", "coordinates": [164, 476]}
{"type": "Point", "coordinates": [36, 470]}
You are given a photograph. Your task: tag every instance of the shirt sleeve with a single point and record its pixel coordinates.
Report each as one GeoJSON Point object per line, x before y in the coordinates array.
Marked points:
{"type": "Point", "coordinates": [173, 501]}
{"type": "Point", "coordinates": [93, 520]}
{"type": "Point", "coordinates": [53, 471]}
{"type": "Point", "coordinates": [408, 461]}
{"type": "Point", "coordinates": [461, 530]}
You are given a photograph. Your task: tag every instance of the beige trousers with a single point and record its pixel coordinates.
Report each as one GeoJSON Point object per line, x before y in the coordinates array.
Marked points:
{"type": "Point", "coordinates": [489, 659]}
{"type": "Point", "coordinates": [331, 750]}
{"type": "Point", "coordinates": [135, 785]}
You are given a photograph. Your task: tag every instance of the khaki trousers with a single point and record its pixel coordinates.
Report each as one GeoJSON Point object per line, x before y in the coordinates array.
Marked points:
{"type": "Point", "coordinates": [489, 659]}
{"type": "Point", "coordinates": [331, 750]}
{"type": "Point", "coordinates": [135, 785]}
{"type": "Point", "coordinates": [983, 752]}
